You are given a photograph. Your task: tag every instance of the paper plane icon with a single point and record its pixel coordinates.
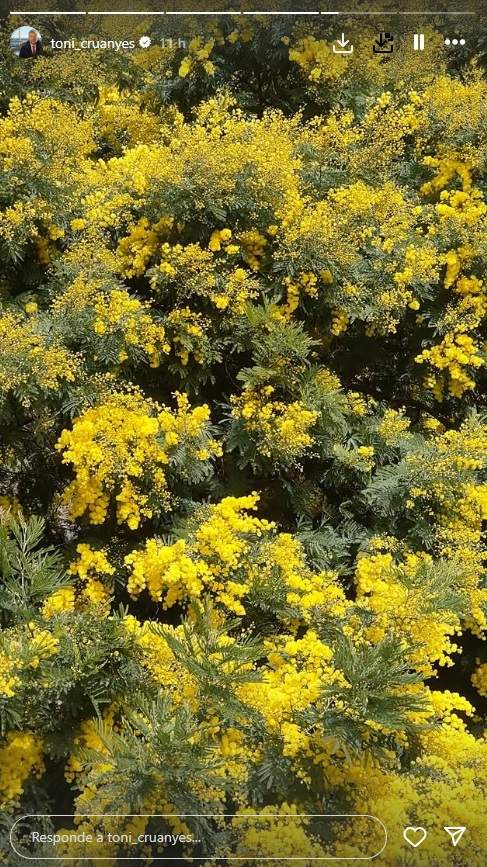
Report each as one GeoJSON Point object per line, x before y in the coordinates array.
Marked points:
{"type": "Point", "coordinates": [456, 834]}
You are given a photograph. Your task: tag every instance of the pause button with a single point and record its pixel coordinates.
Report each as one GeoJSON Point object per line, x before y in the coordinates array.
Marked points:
{"type": "Point", "coordinates": [418, 42]}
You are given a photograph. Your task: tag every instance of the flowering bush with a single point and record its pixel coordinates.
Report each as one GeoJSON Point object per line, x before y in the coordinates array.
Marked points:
{"type": "Point", "coordinates": [243, 316]}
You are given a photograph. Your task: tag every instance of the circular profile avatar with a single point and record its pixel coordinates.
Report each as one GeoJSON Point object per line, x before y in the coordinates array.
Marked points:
{"type": "Point", "coordinates": [26, 41]}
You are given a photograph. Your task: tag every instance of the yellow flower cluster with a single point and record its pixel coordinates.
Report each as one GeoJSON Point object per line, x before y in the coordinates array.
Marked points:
{"type": "Point", "coordinates": [444, 485]}
{"type": "Point", "coordinates": [39, 128]}
{"type": "Point", "coordinates": [168, 569]}
{"type": "Point", "coordinates": [24, 652]}
{"type": "Point", "coordinates": [455, 354]}
{"type": "Point", "coordinates": [20, 758]}
{"type": "Point", "coordinates": [360, 458]}
{"type": "Point", "coordinates": [118, 311]}
{"type": "Point", "coordinates": [9, 678]}
{"type": "Point", "coordinates": [192, 271]}
{"type": "Point", "coordinates": [123, 120]}
{"type": "Point", "coordinates": [446, 169]}
{"type": "Point", "coordinates": [29, 358]}
{"type": "Point", "coordinates": [186, 428]}
{"type": "Point", "coordinates": [281, 431]}
{"type": "Point", "coordinates": [306, 283]}
{"type": "Point", "coordinates": [187, 335]}
{"type": "Point", "coordinates": [292, 684]}
{"type": "Point", "coordinates": [231, 554]}
{"type": "Point", "coordinates": [357, 230]}
{"type": "Point", "coordinates": [42, 646]}
{"type": "Point", "coordinates": [112, 448]}
{"type": "Point", "coordinates": [183, 571]}
{"type": "Point", "coordinates": [119, 450]}
{"type": "Point", "coordinates": [197, 57]}
{"type": "Point", "coordinates": [94, 571]}
{"type": "Point", "coordinates": [254, 246]}
{"type": "Point", "coordinates": [60, 601]}
{"type": "Point", "coordinates": [160, 661]}
{"type": "Point", "coordinates": [220, 238]}
{"type": "Point", "coordinates": [404, 597]}
{"type": "Point", "coordinates": [267, 833]}
{"type": "Point", "coordinates": [394, 427]}
{"type": "Point", "coordinates": [137, 248]}
{"type": "Point", "coordinates": [316, 58]}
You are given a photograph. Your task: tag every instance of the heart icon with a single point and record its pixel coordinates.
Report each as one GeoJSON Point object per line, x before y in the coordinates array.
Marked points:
{"type": "Point", "coordinates": [414, 835]}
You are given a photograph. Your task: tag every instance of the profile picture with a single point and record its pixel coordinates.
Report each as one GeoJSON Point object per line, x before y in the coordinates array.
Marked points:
{"type": "Point", "coordinates": [26, 41]}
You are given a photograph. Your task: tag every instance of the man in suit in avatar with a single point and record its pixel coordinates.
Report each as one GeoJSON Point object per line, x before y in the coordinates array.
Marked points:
{"type": "Point", "coordinates": [33, 46]}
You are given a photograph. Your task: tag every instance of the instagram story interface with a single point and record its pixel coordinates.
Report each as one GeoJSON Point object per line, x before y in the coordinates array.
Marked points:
{"type": "Point", "coordinates": [243, 434]}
